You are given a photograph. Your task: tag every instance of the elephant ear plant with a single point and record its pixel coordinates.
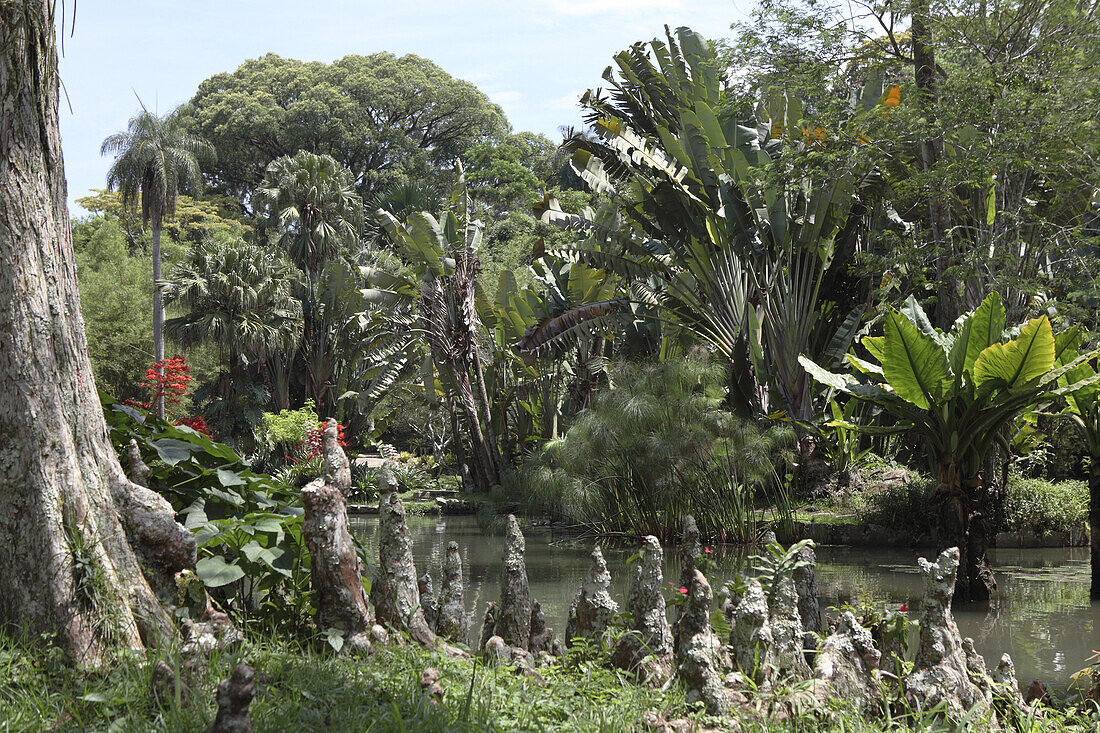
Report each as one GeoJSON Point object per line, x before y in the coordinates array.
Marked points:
{"type": "Point", "coordinates": [1083, 409]}
{"type": "Point", "coordinates": [958, 390]}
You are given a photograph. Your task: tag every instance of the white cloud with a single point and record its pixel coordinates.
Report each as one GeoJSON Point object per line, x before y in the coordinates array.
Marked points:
{"type": "Point", "coordinates": [508, 96]}
{"type": "Point", "coordinates": [610, 7]}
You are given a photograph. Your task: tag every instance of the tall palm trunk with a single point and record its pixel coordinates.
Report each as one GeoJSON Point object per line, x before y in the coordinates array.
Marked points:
{"type": "Point", "coordinates": [158, 313]}
{"type": "Point", "coordinates": [68, 568]}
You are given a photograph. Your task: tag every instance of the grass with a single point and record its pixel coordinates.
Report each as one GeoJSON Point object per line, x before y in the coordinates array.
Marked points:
{"type": "Point", "coordinates": [302, 688]}
{"type": "Point", "coordinates": [305, 689]}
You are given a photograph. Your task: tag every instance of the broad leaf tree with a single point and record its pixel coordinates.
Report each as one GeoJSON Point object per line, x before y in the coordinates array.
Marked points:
{"type": "Point", "coordinates": [958, 390]}
{"type": "Point", "coordinates": [386, 118]}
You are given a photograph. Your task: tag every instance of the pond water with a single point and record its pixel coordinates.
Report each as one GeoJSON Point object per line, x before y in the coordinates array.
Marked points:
{"type": "Point", "coordinates": [1040, 613]}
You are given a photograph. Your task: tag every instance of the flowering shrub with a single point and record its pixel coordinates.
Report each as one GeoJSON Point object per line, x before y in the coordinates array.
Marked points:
{"type": "Point", "coordinates": [313, 443]}
{"type": "Point", "coordinates": [307, 461]}
{"type": "Point", "coordinates": [198, 424]}
{"type": "Point", "coordinates": [170, 379]}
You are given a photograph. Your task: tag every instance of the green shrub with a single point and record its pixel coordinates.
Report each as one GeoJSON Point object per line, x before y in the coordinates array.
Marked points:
{"type": "Point", "coordinates": [248, 525]}
{"type": "Point", "coordinates": [655, 446]}
{"type": "Point", "coordinates": [903, 506]}
{"type": "Point", "coordinates": [287, 427]}
{"type": "Point", "coordinates": [1045, 506]}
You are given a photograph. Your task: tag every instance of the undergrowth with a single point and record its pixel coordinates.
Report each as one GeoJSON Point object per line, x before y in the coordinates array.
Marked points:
{"type": "Point", "coordinates": [303, 688]}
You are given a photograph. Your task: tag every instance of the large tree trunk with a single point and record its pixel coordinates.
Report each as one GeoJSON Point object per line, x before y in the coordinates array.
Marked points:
{"type": "Point", "coordinates": [66, 566]}
{"type": "Point", "coordinates": [964, 525]}
{"type": "Point", "coordinates": [1094, 525]}
{"type": "Point", "coordinates": [158, 313]}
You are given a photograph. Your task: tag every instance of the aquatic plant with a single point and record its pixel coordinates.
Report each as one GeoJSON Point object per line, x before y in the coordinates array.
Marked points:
{"type": "Point", "coordinates": [657, 446]}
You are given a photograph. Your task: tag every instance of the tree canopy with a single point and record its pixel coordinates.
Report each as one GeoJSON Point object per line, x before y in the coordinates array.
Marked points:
{"type": "Point", "coordinates": [385, 118]}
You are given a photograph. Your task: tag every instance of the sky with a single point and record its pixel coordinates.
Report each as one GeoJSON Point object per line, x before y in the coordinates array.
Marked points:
{"type": "Point", "coordinates": [532, 57]}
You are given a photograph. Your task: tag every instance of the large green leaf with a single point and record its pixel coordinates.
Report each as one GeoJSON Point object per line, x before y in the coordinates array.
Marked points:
{"type": "Point", "coordinates": [915, 365]}
{"type": "Point", "coordinates": [875, 345]}
{"type": "Point", "coordinates": [215, 571]}
{"type": "Point", "coordinates": [172, 451]}
{"type": "Point", "coordinates": [912, 310]}
{"type": "Point", "coordinates": [1029, 356]}
{"type": "Point", "coordinates": [985, 329]}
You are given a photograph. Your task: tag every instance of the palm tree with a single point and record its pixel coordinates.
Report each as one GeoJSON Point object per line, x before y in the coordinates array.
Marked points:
{"type": "Point", "coordinates": [236, 295]}
{"type": "Point", "coordinates": [310, 201]}
{"type": "Point", "coordinates": [155, 159]}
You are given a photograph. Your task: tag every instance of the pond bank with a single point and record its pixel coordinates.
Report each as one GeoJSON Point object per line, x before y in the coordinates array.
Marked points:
{"type": "Point", "coordinates": [831, 529]}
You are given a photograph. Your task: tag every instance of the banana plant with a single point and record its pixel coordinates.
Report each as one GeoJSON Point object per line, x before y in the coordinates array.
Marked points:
{"type": "Point", "coordinates": [727, 238]}
{"type": "Point", "coordinates": [958, 390]}
{"type": "Point", "coordinates": [1083, 409]}
{"type": "Point", "coordinates": [432, 305]}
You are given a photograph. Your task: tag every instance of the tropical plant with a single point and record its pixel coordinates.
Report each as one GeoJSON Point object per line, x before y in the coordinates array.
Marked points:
{"type": "Point", "coordinates": [729, 231]}
{"type": "Point", "coordinates": [657, 445]}
{"type": "Point", "coordinates": [237, 295]}
{"type": "Point", "coordinates": [426, 317]}
{"type": "Point", "coordinates": [838, 440]}
{"type": "Point", "coordinates": [248, 525]}
{"type": "Point", "coordinates": [958, 391]}
{"type": "Point", "coordinates": [241, 298]}
{"type": "Point", "coordinates": [536, 388]}
{"type": "Point", "coordinates": [310, 203]}
{"type": "Point", "coordinates": [154, 159]}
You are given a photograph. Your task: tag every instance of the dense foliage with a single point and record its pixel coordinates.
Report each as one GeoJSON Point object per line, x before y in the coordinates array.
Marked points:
{"type": "Point", "coordinates": [382, 248]}
{"type": "Point", "coordinates": [387, 119]}
{"type": "Point", "coordinates": [657, 445]}
{"type": "Point", "coordinates": [252, 557]}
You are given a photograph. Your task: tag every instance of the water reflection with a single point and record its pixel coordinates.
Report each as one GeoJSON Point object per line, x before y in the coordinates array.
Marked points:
{"type": "Point", "coordinates": [1040, 613]}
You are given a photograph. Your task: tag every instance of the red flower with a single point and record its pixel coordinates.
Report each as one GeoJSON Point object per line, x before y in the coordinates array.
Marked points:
{"type": "Point", "coordinates": [198, 424]}
{"type": "Point", "coordinates": [683, 590]}
{"type": "Point", "coordinates": [707, 550]}
{"type": "Point", "coordinates": [314, 441]}
{"type": "Point", "coordinates": [169, 380]}
{"type": "Point", "coordinates": [903, 607]}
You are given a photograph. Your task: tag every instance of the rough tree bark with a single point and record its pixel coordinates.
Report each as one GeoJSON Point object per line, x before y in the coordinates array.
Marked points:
{"type": "Point", "coordinates": [960, 502]}
{"type": "Point", "coordinates": [68, 567]}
